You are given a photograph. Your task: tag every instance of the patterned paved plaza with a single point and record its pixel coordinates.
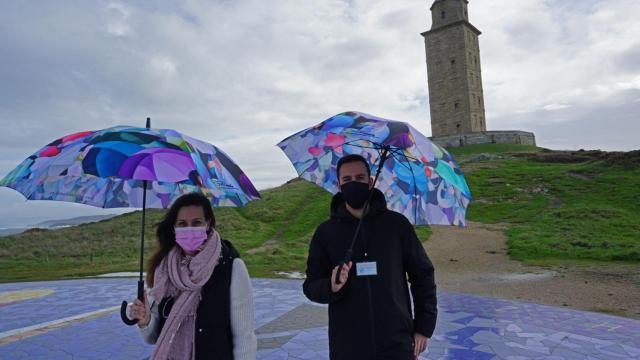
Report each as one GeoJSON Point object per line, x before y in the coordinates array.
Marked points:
{"type": "Point", "coordinates": [78, 319]}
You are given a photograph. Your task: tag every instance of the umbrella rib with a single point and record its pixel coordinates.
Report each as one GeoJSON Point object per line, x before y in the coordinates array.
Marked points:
{"type": "Point", "coordinates": [415, 194]}
{"type": "Point", "coordinates": [415, 190]}
{"type": "Point", "coordinates": [400, 160]}
{"type": "Point", "coordinates": [380, 147]}
{"type": "Point", "coordinates": [415, 197]}
{"type": "Point", "coordinates": [351, 143]}
{"type": "Point", "coordinates": [109, 187]}
{"type": "Point", "coordinates": [402, 153]}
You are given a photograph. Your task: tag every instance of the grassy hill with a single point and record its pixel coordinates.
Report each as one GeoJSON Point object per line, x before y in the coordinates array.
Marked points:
{"type": "Point", "coordinates": [559, 205]}
{"type": "Point", "coordinates": [581, 205]}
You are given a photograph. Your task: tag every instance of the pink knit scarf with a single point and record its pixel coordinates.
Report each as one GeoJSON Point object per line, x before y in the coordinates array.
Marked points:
{"type": "Point", "coordinates": [182, 278]}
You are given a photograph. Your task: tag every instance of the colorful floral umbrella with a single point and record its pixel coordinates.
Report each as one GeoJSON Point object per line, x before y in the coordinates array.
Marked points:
{"type": "Point", "coordinates": [108, 168]}
{"type": "Point", "coordinates": [126, 166]}
{"type": "Point", "coordinates": [419, 179]}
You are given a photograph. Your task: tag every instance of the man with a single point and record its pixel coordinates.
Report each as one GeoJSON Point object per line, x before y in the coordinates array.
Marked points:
{"type": "Point", "coordinates": [370, 313]}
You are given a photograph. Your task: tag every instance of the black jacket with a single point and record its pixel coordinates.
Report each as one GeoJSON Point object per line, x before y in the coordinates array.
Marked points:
{"type": "Point", "coordinates": [371, 317]}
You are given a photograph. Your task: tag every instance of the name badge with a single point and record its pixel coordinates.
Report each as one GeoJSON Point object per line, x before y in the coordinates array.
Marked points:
{"type": "Point", "coordinates": [367, 268]}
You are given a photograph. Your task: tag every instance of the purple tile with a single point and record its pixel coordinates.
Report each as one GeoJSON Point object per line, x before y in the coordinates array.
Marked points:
{"type": "Point", "coordinates": [469, 327]}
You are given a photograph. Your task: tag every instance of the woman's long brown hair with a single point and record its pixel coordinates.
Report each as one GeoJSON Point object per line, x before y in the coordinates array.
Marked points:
{"type": "Point", "coordinates": [165, 232]}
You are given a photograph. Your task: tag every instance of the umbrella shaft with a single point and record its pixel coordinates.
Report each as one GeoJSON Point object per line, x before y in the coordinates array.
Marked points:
{"type": "Point", "coordinates": [383, 158]}
{"type": "Point", "coordinates": [144, 205]}
{"type": "Point", "coordinates": [347, 256]}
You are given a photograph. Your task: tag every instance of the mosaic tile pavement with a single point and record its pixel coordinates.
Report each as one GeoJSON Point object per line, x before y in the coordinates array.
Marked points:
{"type": "Point", "coordinates": [77, 320]}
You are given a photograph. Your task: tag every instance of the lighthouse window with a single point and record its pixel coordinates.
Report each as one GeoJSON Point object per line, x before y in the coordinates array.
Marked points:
{"type": "Point", "coordinates": [443, 15]}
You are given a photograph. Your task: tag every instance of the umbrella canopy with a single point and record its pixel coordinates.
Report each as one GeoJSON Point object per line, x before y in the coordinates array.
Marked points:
{"type": "Point", "coordinates": [419, 179]}
{"type": "Point", "coordinates": [108, 168]}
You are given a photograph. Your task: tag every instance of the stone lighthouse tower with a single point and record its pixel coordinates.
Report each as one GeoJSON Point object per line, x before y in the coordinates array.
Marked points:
{"type": "Point", "coordinates": [456, 98]}
{"type": "Point", "coordinates": [453, 68]}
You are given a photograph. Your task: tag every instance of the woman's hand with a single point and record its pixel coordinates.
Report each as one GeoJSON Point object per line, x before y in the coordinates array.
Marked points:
{"type": "Point", "coordinates": [141, 311]}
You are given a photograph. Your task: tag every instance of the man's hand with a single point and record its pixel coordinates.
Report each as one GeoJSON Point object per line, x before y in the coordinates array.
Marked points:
{"type": "Point", "coordinates": [344, 275]}
{"type": "Point", "coordinates": [420, 344]}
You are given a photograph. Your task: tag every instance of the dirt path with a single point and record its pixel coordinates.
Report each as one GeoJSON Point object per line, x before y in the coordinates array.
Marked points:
{"type": "Point", "coordinates": [473, 260]}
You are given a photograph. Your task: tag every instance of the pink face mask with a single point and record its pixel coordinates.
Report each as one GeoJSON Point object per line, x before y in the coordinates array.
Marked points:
{"type": "Point", "coordinates": [191, 238]}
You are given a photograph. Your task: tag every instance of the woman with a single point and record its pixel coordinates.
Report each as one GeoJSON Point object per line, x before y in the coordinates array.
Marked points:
{"type": "Point", "coordinates": [201, 298]}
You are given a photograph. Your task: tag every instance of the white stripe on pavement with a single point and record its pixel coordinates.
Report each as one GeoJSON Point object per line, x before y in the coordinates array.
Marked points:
{"type": "Point", "coordinates": [53, 323]}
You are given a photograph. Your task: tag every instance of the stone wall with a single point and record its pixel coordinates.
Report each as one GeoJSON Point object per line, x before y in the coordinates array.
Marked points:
{"type": "Point", "coordinates": [486, 137]}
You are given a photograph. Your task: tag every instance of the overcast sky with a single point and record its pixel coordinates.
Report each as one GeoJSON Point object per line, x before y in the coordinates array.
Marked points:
{"type": "Point", "coordinates": [244, 74]}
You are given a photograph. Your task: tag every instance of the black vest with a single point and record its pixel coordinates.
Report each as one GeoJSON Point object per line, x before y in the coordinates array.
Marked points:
{"type": "Point", "coordinates": [213, 321]}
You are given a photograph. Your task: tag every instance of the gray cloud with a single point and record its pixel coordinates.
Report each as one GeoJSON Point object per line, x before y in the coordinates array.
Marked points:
{"type": "Point", "coordinates": [629, 60]}
{"type": "Point", "coordinates": [244, 74]}
{"type": "Point", "coordinates": [595, 126]}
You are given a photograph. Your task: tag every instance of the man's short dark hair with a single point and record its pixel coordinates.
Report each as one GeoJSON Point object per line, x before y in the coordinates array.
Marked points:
{"type": "Point", "coordinates": [349, 159]}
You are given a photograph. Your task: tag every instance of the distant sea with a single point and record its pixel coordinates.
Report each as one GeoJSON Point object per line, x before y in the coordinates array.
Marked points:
{"type": "Point", "coordinates": [56, 224]}
{"type": "Point", "coordinates": [11, 231]}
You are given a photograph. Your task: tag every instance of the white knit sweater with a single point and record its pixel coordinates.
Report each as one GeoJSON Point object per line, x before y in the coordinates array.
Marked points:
{"type": "Point", "coordinates": [241, 297]}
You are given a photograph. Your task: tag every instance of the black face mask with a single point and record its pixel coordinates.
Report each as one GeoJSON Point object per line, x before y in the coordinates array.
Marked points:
{"type": "Point", "coordinates": [355, 193]}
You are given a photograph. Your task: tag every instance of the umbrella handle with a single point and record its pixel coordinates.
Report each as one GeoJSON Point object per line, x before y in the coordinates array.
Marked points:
{"type": "Point", "coordinates": [123, 315]}
{"type": "Point", "coordinates": [123, 307]}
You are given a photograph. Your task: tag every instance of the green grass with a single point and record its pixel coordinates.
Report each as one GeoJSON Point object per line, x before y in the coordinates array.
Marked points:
{"type": "Point", "coordinates": [110, 245]}
{"type": "Point", "coordinates": [287, 215]}
{"type": "Point", "coordinates": [588, 211]}
{"type": "Point", "coordinates": [298, 221]}
{"type": "Point", "coordinates": [554, 211]}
